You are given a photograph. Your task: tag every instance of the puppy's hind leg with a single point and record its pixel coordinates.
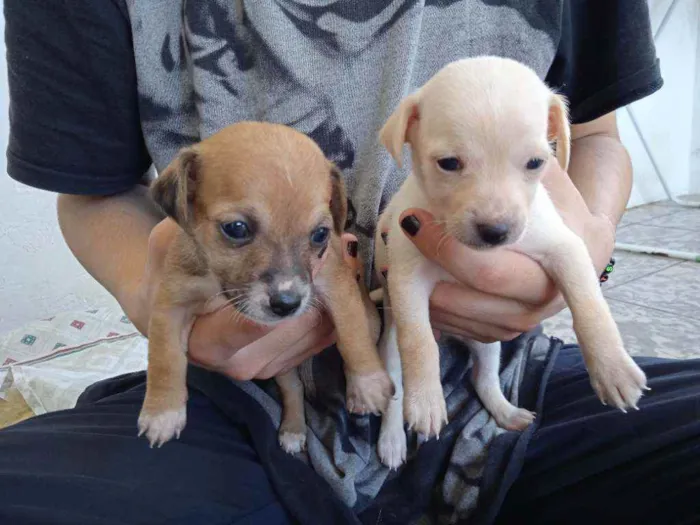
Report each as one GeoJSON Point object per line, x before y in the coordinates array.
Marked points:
{"type": "Point", "coordinates": [292, 432]}
{"type": "Point", "coordinates": [391, 447]}
{"type": "Point", "coordinates": [487, 359]}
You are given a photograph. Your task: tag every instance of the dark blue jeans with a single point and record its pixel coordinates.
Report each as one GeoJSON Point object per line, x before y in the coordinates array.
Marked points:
{"type": "Point", "coordinates": [585, 463]}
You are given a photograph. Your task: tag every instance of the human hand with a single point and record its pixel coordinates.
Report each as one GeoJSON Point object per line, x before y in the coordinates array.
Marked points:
{"type": "Point", "coordinates": [231, 344]}
{"type": "Point", "coordinates": [502, 293]}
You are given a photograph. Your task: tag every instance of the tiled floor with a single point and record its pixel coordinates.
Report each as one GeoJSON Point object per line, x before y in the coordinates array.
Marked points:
{"type": "Point", "coordinates": [655, 300]}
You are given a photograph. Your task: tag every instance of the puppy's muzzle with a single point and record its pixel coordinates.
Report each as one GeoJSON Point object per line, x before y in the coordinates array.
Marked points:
{"type": "Point", "coordinates": [284, 303]}
{"type": "Point", "coordinates": [493, 234]}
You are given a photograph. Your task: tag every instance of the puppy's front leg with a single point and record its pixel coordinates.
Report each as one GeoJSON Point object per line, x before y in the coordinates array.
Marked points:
{"type": "Point", "coordinates": [292, 432]}
{"type": "Point", "coordinates": [410, 283]}
{"type": "Point", "coordinates": [369, 388]}
{"type": "Point", "coordinates": [163, 415]}
{"type": "Point", "coordinates": [615, 376]}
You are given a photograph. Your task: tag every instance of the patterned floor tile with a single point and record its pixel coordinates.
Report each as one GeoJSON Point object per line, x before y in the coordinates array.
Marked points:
{"type": "Point", "coordinates": [645, 331]}
{"type": "Point", "coordinates": [675, 290]}
{"type": "Point", "coordinates": [686, 219]}
{"type": "Point", "coordinates": [646, 213]}
{"type": "Point", "coordinates": [682, 198]}
{"type": "Point", "coordinates": [659, 236]}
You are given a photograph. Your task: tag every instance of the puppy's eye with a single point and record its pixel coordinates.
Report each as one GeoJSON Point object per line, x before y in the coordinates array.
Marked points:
{"type": "Point", "coordinates": [450, 164]}
{"type": "Point", "coordinates": [319, 236]}
{"type": "Point", "coordinates": [534, 164]}
{"type": "Point", "coordinates": [237, 231]}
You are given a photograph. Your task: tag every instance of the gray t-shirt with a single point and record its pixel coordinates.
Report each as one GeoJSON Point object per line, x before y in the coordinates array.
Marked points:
{"type": "Point", "coordinates": [133, 81]}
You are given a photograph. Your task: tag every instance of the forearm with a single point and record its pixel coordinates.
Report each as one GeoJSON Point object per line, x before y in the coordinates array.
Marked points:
{"type": "Point", "coordinates": [600, 167]}
{"type": "Point", "coordinates": [602, 172]}
{"type": "Point", "coordinates": [109, 237]}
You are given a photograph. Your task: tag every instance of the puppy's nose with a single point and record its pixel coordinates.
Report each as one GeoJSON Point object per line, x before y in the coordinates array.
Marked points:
{"type": "Point", "coordinates": [493, 233]}
{"type": "Point", "coordinates": [285, 303]}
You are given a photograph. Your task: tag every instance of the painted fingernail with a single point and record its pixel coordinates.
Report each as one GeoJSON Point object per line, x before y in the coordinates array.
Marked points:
{"type": "Point", "coordinates": [411, 225]}
{"type": "Point", "coordinates": [323, 250]}
{"type": "Point", "coordinates": [385, 236]}
{"type": "Point", "coordinates": [384, 272]}
{"type": "Point", "coordinates": [352, 249]}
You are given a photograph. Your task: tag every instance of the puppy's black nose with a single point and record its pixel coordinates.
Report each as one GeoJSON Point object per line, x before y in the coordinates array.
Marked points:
{"type": "Point", "coordinates": [285, 303]}
{"type": "Point", "coordinates": [493, 233]}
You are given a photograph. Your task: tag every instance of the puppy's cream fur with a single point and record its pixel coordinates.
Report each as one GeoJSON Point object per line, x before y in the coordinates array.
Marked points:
{"type": "Point", "coordinates": [493, 115]}
{"type": "Point", "coordinates": [278, 182]}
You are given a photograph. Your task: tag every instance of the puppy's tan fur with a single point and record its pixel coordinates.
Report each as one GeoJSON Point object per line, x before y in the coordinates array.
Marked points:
{"type": "Point", "coordinates": [490, 117]}
{"type": "Point", "coordinates": [279, 182]}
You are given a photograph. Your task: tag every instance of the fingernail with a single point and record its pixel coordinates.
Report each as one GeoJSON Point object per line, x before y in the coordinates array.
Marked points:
{"type": "Point", "coordinates": [385, 236]}
{"type": "Point", "coordinates": [323, 250]}
{"type": "Point", "coordinates": [411, 225]}
{"type": "Point", "coordinates": [352, 249]}
{"type": "Point", "coordinates": [384, 272]}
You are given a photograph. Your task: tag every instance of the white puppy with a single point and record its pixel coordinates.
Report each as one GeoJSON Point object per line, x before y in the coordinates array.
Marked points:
{"type": "Point", "coordinates": [480, 133]}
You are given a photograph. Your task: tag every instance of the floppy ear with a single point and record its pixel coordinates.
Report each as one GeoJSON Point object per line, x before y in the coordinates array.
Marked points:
{"type": "Point", "coordinates": [174, 189]}
{"type": "Point", "coordinates": [558, 129]}
{"type": "Point", "coordinates": [339, 202]}
{"type": "Point", "coordinates": [394, 133]}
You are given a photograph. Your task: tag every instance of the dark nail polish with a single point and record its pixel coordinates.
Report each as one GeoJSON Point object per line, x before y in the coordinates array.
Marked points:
{"type": "Point", "coordinates": [385, 271]}
{"type": "Point", "coordinates": [357, 278]}
{"type": "Point", "coordinates": [352, 249]}
{"type": "Point", "coordinates": [411, 225]}
{"type": "Point", "coordinates": [323, 250]}
{"type": "Point", "coordinates": [385, 236]}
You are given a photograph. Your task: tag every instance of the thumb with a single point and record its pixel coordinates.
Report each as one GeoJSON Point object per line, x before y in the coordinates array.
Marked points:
{"type": "Point", "coordinates": [433, 241]}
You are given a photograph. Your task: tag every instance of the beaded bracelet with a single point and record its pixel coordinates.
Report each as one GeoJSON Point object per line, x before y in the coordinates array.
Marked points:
{"type": "Point", "coordinates": [607, 271]}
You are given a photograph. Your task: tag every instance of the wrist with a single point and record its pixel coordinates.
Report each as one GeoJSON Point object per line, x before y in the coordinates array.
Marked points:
{"type": "Point", "coordinates": [600, 239]}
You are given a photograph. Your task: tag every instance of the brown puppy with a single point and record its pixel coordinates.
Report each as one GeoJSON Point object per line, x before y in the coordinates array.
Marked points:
{"type": "Point", "coordinates": [260, 207]}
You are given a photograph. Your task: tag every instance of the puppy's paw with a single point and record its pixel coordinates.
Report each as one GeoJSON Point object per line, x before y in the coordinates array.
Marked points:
{"type": "Point", "coordinates": [617, 380]}
{"type": "Point", "coordinates": [161, 427]}
{"type": "Point", "coordinates": [292, 435]}
{"type": "Point", "coordinates": [424, 410]}
{"type": "Point", "coordinates": [391, 446]}
{"type": "Point", "coordinates": [513, 418]}
{"type": "Point", "coordinates": [369, 393]}
{"type": "Point", "coordinates": [292, 442]}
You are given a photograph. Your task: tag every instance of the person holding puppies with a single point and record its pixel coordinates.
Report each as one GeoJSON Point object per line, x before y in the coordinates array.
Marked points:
{"type": "Point", "coordinates": [103, 92]}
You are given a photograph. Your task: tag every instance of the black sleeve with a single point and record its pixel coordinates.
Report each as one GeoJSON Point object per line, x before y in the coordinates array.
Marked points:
{"type": "Point", "coordinates": [74, 119]}
{"type": "Point", "coordinates": [606, 57]}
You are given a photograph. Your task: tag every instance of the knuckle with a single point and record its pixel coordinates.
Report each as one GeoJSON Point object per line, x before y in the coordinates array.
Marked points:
{"type": "Point", "coordinates": [241, 372]}
{"type": "Point", "coordinates": [486, 339]}
{"type": "Point", "coordinates": [509, 336]}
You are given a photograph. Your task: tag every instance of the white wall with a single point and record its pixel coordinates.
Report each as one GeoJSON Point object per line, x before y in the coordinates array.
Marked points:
{"type": "Point", "coordinates": [38, 275]}
{"type": "Point", "coordinates": [666, 136]}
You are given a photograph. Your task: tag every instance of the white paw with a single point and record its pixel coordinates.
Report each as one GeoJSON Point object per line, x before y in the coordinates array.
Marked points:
{"type": "Point", "coordinates": [368, 393]}
{"type": "Point", "coordinates": [391, 447]}
{"type": "Point", "coordinates": [513, 418]}
{"type": "Point", "coordinates": [618, 380]}
{"type": "Point", "coordinates": [424, 410]}
{"type": "Point", "coordinates": [292, 442]}
{"type": "Point", "coordinates": [161, 427]}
